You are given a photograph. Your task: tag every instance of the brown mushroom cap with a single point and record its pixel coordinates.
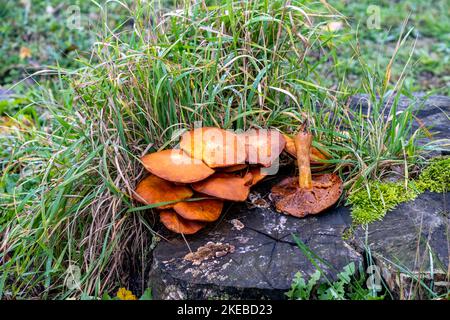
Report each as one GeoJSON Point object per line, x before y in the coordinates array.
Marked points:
{"type": "Point", "coordinates": [258, 174]}
{"type": "Point", "coordinates": [225, 186]}
{"type": "Point", "coordinates": [216, 147]}
{"type": "Point", "coordinates": [263, 146]}
{"type": "Point", "coordinates": [290, 199]}
{"type": "Point", "coordinates": [176, 166]}
{"type": "Point", "coordinates": [207, 210]}
{"type": "Point", "coordinates": [248, 178]}
{"type": "Point", "coordinates": [175, 223]}
{"type": "Point", "coordinates": [235, 168]}
{"type": "Point", "coordinates": [152, 190]}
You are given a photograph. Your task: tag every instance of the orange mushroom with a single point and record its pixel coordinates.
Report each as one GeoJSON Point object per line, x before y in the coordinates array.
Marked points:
{"type": "Point", "coordinates": [216, 147]}
{"type": "Point", "coordinates": [176, 166]}
{"type": "Point", "coordinates": [225, 186]}
{"type": "Point", "coordinates": [306, 194]}
{"type": "Point", "coordinates": [263, 146]}
{"type": "Point", "coordinates": [207, 210]}
{"type": "Point", "coordinates": [258, 174]}
{"type": "Point", "coordinates": [290, 146]}
{"type": "Point", "coordinates": [235, 168]}
{"type": "Point", "coordinates": [316, 156]}
{"type": "Point", "coordinates": [247, 177]}
{"type": "Point", "coordinates": [153, 190]}
{"type": "Point", "coordinates": [172, 221]}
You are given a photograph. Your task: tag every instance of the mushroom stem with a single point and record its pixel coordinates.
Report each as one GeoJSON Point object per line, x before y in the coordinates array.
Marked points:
{"type": "Point", "coordinates": [303, 145]}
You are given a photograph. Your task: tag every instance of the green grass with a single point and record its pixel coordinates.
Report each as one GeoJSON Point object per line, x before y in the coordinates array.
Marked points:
{"type": "Point", "coordinates": [49, 174]}
{"type": "Point", "coordinates": [68, 176]}
{"type": "Point", "coordinates": [430, 36]}
{"type": "Point", "coordinates": [45, 27]}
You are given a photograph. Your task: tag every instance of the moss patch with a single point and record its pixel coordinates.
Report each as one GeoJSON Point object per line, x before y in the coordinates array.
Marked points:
{"type": "Point", "coordinates": [436, 177]}
{"type": "Point", "coordinates": [371, 203]}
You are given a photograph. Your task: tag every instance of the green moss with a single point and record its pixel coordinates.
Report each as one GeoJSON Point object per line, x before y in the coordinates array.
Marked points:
{"type": "Point", "coordinates": [371, 203]}
{"type": "Point", "coordinates": [436, 177]}
{"type": "Point", "coordinates": [348, 234]}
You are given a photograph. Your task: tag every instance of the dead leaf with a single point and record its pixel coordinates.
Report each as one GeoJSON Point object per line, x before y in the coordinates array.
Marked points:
{"type": "Point", "coordinates": [25, 53]}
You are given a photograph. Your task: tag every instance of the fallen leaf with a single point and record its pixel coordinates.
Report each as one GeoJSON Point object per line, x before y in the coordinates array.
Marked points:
{"type": "Point", "coordinates": [25, 53]}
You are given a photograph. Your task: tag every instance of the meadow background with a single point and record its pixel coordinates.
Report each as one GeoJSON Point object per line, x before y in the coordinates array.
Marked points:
{"type": "Point", "coordinates": [87, 87]}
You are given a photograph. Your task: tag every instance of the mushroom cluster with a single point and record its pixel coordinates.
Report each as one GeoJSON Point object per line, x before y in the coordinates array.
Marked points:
{"type": "Point", "coordinates": [189, 185]}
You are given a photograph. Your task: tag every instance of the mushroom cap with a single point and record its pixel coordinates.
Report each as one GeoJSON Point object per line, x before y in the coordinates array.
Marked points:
{"type": "Point", "coordinates": [172, 221]}
{"type": "Point", "coordinates": [152, 190]}
{"type": "Point", "coordinates": [227, 186]}
{"type": "Point", "coordinates": [207, 210]}
{"type": "Point", "coordinates": [290, 146]}
{"type": "Point", "coordinates": [235, 168]}
{"type": "Point", "coordinates": [290, 199]}
{"type": "Point", "coordinates": [263, 146]}
{"type": "Point", "coordinates": [258, 174]}
{"type": "Point", "coordinates": [247, 177]}
{"type": "Point", "coordinates": [315, 155]}
{"type": "Point", "coordinates": [176, 166]}
{"type": "Point", "coordinates": [216, 147]}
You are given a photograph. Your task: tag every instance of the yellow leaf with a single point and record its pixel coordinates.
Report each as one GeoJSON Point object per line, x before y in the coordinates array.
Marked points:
{"type": "Point", "coordinates": [25, 53]}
